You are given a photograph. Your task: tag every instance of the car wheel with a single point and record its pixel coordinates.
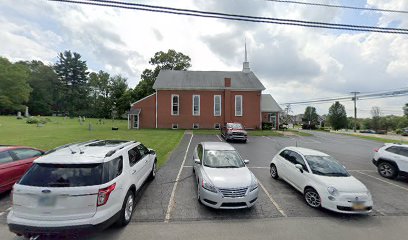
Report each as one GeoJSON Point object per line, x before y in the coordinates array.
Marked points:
{"type": "Point", "coordinates": [245, 141]}
{"type": "Point", "coordinates": [198, 192]}
{"type": "Point", "coordinates": [387, 170]}
{"type": "Point", "coordinates": [312, 198]}
{"type": "Point", "coordinates": [127, 209]}
{"type": "Point", "coordinates": [154, 170]}
{"type": "Point", "coordinates": [274, 171]}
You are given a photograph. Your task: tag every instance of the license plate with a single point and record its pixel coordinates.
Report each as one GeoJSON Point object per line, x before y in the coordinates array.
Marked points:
{"type": "Point", "coordinates": [47, 201]}
{"type": "Point", "coordinates": [358, 206]}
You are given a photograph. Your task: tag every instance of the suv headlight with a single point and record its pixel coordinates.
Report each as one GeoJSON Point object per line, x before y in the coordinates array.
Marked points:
{"type": "Point", "coordinates": [333, 191]}
{"type": "Point", "coordinates": [208, 186]}
{"type": "Point", "coordinates": [254, 184]}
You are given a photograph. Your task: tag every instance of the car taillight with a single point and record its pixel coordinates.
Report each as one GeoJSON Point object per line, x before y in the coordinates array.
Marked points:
{"type": "Point", "coordinates": [103, 195]}
{"type": "Point", "coordinates": [376, 150]}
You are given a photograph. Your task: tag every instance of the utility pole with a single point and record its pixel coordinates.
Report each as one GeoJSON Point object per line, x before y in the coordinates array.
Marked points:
{"type": "Point", "coordinates": [355, 110]}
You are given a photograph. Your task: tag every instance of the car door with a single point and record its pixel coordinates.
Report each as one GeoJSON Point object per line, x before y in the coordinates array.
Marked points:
{"type": "Point", "coordinates": [136, 166]}
{"type": "Point", "coordinates": [299, 177]}
{"type": "Point", "coordinates": [403, 161]}
{"type": "Point", "coordinates": [293, 174]}
{"type": "Point", "coordinates": [6, 171]}
{"type": "Point", "coordinates": [146, 158]}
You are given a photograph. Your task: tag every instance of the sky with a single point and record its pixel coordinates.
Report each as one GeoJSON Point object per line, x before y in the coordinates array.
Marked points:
{"type": "Point", "coordinates": [293, 63]}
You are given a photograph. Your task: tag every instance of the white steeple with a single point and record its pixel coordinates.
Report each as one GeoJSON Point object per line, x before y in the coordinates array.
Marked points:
{"type": "Point", "coordinates": [245, 67]}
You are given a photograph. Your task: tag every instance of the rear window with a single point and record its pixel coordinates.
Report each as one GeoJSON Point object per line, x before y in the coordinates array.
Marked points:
{"type": "Point", "coordinates": [72, 175]}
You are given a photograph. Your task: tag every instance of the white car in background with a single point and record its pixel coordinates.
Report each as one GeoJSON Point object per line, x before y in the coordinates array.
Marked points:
{"type": "Point", "coordinates": [323, 181]}
{"type": "Point", "coordinates": [223, 180]}
{"type": "Point", "coordinates": [80, 188]}
{"type": "Point", "coordinates": [391, 160]}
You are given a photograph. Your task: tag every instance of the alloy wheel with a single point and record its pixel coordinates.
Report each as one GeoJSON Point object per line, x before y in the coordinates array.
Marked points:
{"type": "Point", "coordinates": [386, 170]}
{"type": "Point", "coordinates": [312, 198]}
{"type": "Point", "coordinates": [129, 208]}
{"type": "Point", "coordinates": [154, 169]}
{"type": "Point", "coordinates": [273, 171]}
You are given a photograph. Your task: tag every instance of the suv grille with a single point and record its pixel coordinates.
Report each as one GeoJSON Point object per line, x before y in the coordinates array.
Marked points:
{"type": "Point", "coordinates": [238, 133]}
{"type": "Point", "coordinates": [233, 192]}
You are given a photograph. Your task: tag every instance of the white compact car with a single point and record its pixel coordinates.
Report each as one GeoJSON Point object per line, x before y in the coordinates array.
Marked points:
{"type": "Point", "coordinates": [223, 180]}
{"type": "Point", "coordinates": [323, 181]}
{"type": "Point", "coordinates": [78, 188]}
{"type": "Point", "coordinates": [391, 160]}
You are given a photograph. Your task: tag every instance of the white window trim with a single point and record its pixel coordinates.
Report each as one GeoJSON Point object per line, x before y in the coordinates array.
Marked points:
{"type": "Point", "coordinates": [199, 103]}
{"type": "Point", "coordinates": [215, 114]}
{"type": "Point", "coordinates": [134, 115]}
{"type": "Point", "coordinates": [178, 104]}
{"type": "Point", "coordinates": [235, 105]}
{"type": "Point", "coordinates": [174, 126]}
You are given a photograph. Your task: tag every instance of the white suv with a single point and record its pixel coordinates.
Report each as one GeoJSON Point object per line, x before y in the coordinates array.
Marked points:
{"type": "Point", "coordinates": [81, 187]}
{"type": "Point", "coordinates": [391, 160]}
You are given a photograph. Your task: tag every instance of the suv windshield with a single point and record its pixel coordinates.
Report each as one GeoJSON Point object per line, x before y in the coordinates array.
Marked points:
{"type": "Point", "coordinates": [222, 159]}
{"type": "Point", "coordinates": [234, 126]}
{"type": "Point", "coordinates": [326, 166]}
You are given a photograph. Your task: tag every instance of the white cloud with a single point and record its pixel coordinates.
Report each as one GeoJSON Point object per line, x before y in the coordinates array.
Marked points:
{"type": "Point", "coordinates": [294, 63]}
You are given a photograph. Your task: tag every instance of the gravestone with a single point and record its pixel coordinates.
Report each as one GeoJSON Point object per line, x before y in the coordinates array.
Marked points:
{"type": "Point", "coordinates": [26, 114]}
{"type": "Point", "coordinates": [19, 115]}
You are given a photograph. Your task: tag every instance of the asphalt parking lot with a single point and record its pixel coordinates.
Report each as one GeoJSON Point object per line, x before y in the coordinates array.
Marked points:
{"type": "Point", "coordinates": [171, 197]}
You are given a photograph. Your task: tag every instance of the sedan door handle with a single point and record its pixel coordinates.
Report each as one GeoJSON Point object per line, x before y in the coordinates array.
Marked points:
{"type": "Point", "coordinates": [134, 171]}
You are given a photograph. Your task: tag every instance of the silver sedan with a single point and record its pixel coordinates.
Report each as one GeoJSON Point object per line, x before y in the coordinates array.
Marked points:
{"type": "Point", "coordinates": [223, 180]}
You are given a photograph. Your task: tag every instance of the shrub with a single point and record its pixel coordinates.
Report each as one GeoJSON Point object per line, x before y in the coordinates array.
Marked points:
{"type": "Point", "coordinates": [36, 120]}
{"type": "Point", "coordinates": [266, 126]}
{"type": "Point", "coordinates": [399, 131]}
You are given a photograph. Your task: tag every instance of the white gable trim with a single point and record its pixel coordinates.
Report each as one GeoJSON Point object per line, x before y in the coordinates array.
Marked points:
{"type": "Point", "coordinates": [142, 99]}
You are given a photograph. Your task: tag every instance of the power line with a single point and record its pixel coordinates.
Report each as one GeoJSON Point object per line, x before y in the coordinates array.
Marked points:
{"type": "Point", "coordinates": [235, 17]}
{"type": "Point", "coordinates": [340, 6]}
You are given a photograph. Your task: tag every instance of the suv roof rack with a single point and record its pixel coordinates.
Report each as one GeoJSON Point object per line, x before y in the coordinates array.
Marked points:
{"type": "Point", "coordinates": [111, 152]}
{"type": "Point", "coordinates": [69, 145]}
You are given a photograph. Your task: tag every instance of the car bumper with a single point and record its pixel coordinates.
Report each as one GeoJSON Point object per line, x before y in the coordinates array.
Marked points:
{"type": "Point", "coordinates": [216, 200]}
{"type": "Point", "coordinates": [345, 205]}
{"type": "Point", "coordinates": [375, 162]}
{"type": "Point", "coordinates": [237, 137]}
{"type": "Point", "coordinates": [28, 228]}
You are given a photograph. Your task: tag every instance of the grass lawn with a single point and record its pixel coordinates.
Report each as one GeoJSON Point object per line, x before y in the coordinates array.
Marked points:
{"type": "Point", "coordinates": [384, 140]}
{"type": "Point", "coordinates": [250, 132]}
{"type": "Point", "coordinates": [299, 133]}
{"type": "Point", "coordinates": [60, 131]}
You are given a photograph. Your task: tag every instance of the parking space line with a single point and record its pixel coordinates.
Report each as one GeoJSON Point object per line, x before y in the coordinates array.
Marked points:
{"type": "Point", "coordinates": [382, 180]}
{"type": "Point", "coordinates": [218, 136]}
{"type": "Point", "coordinates": [187, 166]}
{"type": "Point", "coordinates": [8, 209]}
{"type": "Point", "coordinates": [171, 202]}
{"type": "Point", "coordinates": [2, 213]}
{"type": "Point", "coordinates": [272, 200]}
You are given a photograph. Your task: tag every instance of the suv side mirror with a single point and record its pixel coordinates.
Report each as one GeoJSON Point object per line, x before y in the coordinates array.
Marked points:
{"type": "Point", "coordinates": [300, 167]}
{"type": "Point", "coordinates": [246, 161]}
{"type": "Point", "coordinates": [152, 152]}
{"type": "Point", "coordinates": [197, 161]}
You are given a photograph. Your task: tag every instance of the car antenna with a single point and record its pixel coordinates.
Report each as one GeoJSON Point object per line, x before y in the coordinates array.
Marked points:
{"type": "Point", "coordinates": [72, 151]}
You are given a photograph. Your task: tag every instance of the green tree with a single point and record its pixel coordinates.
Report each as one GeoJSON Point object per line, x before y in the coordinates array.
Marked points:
{"type": "Point", "coordinates": [118, 88]}
{"type": "Point", "coordinates": [405, 108]}
{"type": "Point", "coordinates": [14, 88]}
{"type": "Point", "coordinates": [73, 75]}
{"type": "Point", "coordinates": [337, 116]}
{"type": "Point", "coordinates": [44, 82]}
{"type": "Point", "coordinates": [310, 116]}
{"type": "Point", "coordinates": [101, 104]}
{"type": "Point", "coordinates": [170, 60]}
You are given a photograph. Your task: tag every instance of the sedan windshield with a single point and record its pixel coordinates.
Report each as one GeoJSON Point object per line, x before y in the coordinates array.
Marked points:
{"type": "Point", "coordinates": [234, 126]}
{"type": "Point", "coordinates": [326, 166]}
{"type": "Point", "coordinates": [222, 159]}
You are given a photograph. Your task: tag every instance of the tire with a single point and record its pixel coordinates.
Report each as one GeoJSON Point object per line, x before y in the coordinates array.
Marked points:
{"type": "Point", "coordinates": [127, 209]}
{"type": "Point", "coordinates": [245, 141]}
{"type": "Point", "coordinates": [198, 192]}
{"type": "Point", "coordinates": [387, 170]}
{"type": "Point", "coordinates": [154, 171]}
{"type": "Point", "coordinates": [312, 198]}
{"type": "Point", "coordinates": [273, 171]}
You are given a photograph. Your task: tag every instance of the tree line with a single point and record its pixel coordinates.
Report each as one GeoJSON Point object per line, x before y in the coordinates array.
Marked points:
{"type": "Point", "coordinates": [68, 88]}
{"type": "Point", "coordinates": [337, 119]}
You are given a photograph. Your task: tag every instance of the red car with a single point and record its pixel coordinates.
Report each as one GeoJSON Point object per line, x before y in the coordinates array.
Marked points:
{"type": "Point", "coordinates": [14, 162]}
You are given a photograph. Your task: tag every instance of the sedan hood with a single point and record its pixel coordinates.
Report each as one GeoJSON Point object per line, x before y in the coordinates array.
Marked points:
{"type": "Point", "coordinates": [343, 184]}
{"type": "Point", "coordinates": [229, 177]}
{"type": "Point", "coordinates": [237, 130]}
